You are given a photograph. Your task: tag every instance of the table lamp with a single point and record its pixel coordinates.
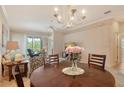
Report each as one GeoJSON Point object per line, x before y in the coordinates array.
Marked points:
{"type": "Point", "coordinates": [12, 46]}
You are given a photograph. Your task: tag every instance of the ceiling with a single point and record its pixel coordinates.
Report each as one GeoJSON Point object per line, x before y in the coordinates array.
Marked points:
{"type": "Point", "coordinates": [39, 18]}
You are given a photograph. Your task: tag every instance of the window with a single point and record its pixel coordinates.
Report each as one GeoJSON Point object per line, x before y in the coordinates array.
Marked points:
{"type": "Point", "coordinates": [34, 43]}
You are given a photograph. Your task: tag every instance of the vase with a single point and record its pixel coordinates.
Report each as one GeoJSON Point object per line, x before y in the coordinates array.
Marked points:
{"type": "Point", "coordinates": [73, 70]}
{"type": "Point", "coordinates": [74, 65]}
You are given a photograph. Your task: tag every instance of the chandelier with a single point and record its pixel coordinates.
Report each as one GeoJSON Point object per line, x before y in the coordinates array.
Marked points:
{"type": "Point", "coordinates": [69, 17]}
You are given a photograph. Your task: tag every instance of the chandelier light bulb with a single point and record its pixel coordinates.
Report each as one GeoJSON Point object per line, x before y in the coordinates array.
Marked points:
{"type": "Point", "coordinates": [83, 11]}
{"type": "Point", "coordinates": [72, 18]}
{"type": "Point", "coordinates": [56, 9]}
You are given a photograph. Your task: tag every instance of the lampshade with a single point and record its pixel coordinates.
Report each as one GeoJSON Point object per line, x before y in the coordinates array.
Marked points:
{"type": "Point", "coordinates": [12, 45]}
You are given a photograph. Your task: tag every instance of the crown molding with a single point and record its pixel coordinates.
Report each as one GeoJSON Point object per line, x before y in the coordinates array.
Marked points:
{"type": "Point", "coordinates": [97, 23]}
{"type": "Point", "coordinates": [90, 23]}
{"type": "Point", "coordinates": [29, 32]}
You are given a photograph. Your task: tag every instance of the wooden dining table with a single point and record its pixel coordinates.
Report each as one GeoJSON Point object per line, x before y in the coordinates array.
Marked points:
{"type": "Point", "coordinates": [51, 75]}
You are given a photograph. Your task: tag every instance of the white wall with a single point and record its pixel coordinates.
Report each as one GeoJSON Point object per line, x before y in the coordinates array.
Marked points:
{"type": "Point", "coordinates": [50, 43]}
{"type": "Point", "coordinates": [121, 36]}
{"type": "Point", "coordinates": [122, 27]}
{"type": "Point", "coordinates": [99, 40]}
{"type": "Point", "coordinates": [20, 37]}
{"type": "Point", "coordinates": [58, 43]}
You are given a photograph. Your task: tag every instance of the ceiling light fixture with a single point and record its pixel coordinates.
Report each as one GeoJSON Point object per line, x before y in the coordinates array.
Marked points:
{"type": "Point", "coordinates": [70, 17]}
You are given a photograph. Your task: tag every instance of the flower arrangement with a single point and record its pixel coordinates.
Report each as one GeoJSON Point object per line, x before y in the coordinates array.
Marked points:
{"type": "Point", "coordinates": [74, 52]}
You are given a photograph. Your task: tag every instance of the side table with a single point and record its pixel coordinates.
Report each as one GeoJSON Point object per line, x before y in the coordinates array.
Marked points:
{"type": "Point", "coordinates": [11, 64]}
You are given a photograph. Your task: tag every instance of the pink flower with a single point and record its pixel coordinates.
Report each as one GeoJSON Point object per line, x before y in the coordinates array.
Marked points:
{"type": "Point", "coordinates": [75, 49]}
{"type": "Point", "coordinates": [69, 50]}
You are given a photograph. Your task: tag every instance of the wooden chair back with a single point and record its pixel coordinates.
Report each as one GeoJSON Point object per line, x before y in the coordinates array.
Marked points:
{"type": "Point", "coordinates": [97, 61]}
{"type": "Point", "coordinates": [54, 58]}
{"type": "Point", "coordinates": [18, 77]}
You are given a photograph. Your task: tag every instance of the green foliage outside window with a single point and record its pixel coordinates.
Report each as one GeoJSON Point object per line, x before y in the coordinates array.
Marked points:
{"type": "Point", "coordinates": [34, 43]}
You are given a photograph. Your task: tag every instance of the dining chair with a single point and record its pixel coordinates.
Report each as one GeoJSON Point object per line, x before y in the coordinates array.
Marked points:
{"type": "Point", "coordinates": [97, 61]}
{"type": "Point", "coordinates": [18, 77]}
{"type": "Point", "coordinates": [54, 58]}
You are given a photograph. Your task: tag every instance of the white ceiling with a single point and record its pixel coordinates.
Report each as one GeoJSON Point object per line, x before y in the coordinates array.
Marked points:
{"type": "Point", "coordinates": [39, 17]}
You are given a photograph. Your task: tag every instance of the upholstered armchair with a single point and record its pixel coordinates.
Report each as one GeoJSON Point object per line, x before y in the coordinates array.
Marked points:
{"type": "Point", "coordinates": [36, 62]}
{"type": "Point", "coordinates": [31, 53]}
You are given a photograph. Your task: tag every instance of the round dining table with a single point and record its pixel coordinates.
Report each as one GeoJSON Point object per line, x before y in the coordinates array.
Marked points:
{"type": "Point", "coordinates": [51, 75]}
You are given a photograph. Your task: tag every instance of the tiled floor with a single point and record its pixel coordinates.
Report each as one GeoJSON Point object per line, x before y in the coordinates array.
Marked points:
{"type": "Point", "coordinates": [5, 83]}
{"type": "Point", "coordinates": [117, 71]}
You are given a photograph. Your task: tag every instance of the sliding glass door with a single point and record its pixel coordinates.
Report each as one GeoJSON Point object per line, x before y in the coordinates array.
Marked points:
{"type": "Point", "coordinates": [34, 43]}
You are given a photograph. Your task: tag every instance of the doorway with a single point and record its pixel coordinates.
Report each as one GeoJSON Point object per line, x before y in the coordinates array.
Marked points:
{"type": "Point", "coordinates": [122, 49]}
